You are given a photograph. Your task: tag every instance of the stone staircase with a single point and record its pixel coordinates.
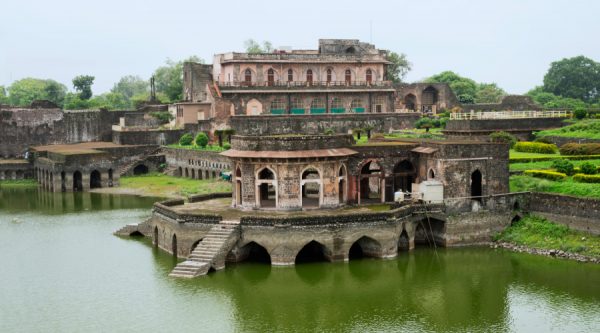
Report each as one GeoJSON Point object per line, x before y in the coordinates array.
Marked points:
{"type": "Point", "coordinates": [128, 166]}
{"type": "Point", "coordinates": [211, 252]}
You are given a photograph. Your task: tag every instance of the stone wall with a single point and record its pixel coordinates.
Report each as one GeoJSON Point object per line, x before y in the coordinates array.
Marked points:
{"type": "Point", "coordinates": [510, 102]}
{"type": "Point", "coordinates": [291, 143]}
{"type": "Point", "coordinates": [317, 124]}
{"type": "Point", "coordinates": [561, 140]}
{"type": "Point", "coordinates": [15, 169]}
{"type": "Point", "coordinates": [581, 214]}
{"type": "Point", "coordinates": [504, 124]}
{"type": "Point", "coordinates": [147, 137]}
{"type": "Point", "coordinates": [197, 164]}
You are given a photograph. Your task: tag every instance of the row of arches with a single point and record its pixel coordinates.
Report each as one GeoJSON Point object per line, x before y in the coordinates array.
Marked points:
{"type": "Point", "coordinates": [309, 76]}
{"type": "Point", "coordinates": [67, 182]}
{"type": "Point", "coordinates": [12, 174]}
{"type": "Point", "coordinates": [429, 98]}
{"type": "Point", "coordinates": [317, 105]}
{"type": "Point", "coordinates": [209, 164]}
{"type": "Point", "coordinates": [197, 173]}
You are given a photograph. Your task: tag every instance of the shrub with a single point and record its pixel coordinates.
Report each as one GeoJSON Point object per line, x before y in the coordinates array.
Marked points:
{"type": "Point", "coordinates": [581, 178]}
{"type": "Point", "coordinates": [186, 139]}
{"type": "Point", "coordinates": [201, 139]}
{"type": "Point", "coordinates": [580, 112]}
{"type": "Point", "coordinates": [227, 145]}
{"type": "Point", "coordinates": [535, 147]}
{"type": "Point", "coordinates": [163, 116]}
{"type": "Point", "coordinates": [563, 166]}
{"type": "Point", "coordinates": [423, 123]}
{"type": "Point", "coordinates": [580, 149]}
{"type": "Point", "coordinates": [544, 139]}
{"type": "Point", "coordinates": [504, 137]}
{"type": "Point", "coordinates": [329, 131]}
{"type": "Point", "coordinates": [588, 168]}
{"type": "Point", "coordinates": [545, 174]}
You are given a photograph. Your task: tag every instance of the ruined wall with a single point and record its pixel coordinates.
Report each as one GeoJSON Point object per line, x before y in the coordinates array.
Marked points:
{"type": "Point", "coordinates": [24, 127]}
{"type": "Point", "coordinates": [317, 124]}
{"type": "Point", "coordinates": [408, 93]}
{"type": "Point", "coordinates": [147, 137]}
{"type": "Point", "coordinates": [510, 102]}
{"type": "Point", "coordinates": [291, 143]}
{"type": "Point", "coordinates": [581, 214]}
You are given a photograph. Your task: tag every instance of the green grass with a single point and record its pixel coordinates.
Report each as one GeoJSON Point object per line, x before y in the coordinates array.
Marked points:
{"type": "Point", "coordinates": [537, 232]}
{"type": "Point", "coordinates": [589, 129]}
{"type": "Point", "coordinates": [522, 183]}
{"type": "Point", "coordinates": [18, 183]}
{"type": "Point", "coordinates": [157, 184]}
{"type": "Point", "coordinates": [518, 154]}
{"type": "Point", "coordinates": [214, 148]}
{"type": "Point", "coordinates": [546, 165]}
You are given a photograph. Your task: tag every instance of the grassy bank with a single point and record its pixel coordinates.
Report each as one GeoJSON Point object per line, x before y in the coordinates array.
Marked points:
{"type": "Point", "coordinates": [517, 154]}
{"type": "Point", "coordinates": [537, 232]}
{"type": "Point", "coordinates": [545, 165]}
{"type": "Point", "coordinates": [589, 129]}
{"type": "Point", "coordinates": [160, 185]}
{"type": "Point", "coordinates": [568, 186]}
{"type": "Point", "coordinates": [18, 183]}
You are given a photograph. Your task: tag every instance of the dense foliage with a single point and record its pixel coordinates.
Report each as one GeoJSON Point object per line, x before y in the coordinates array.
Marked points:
{"type": "Point", "coordinates": [186, 139]}
{"type": "Point", "coordinates": [504, 137]}
{"type": "Point", "coordinates": [468, 91]}
{"type": "Point", "coordinates": [23, 92]}
{"type": "Point", "coordinates": [563, 166]}
{"type": "Point", "coordinates": [398, 68]}
{"type": "Point", "coordinates": [535, 147]}
{"type": "Point", "coordinates": [83, 85]}
{"type": "Point", "coordinates": [163, 116]}
{"type": "Point", "coordinates": [588, 168]}
{"type": "Point", "coordinates": [577, 77]}
{"type": "Point", "coordinates": [583, 178]}
{"type": "Point", "coordinates": [546, 174]}
{"type": "Point", "coordinates": [580, 149]}
{"type": "Point", "coordinates": [201, 139]}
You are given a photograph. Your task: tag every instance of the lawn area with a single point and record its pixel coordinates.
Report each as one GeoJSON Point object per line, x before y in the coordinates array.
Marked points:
{"type": "Point", "coordinates": [589, 129]}
{"type": "Point", "coordinates": [215, 148]}
{"type": "Point", "coordinates": [522, 183]}
{"type": "Point", "coordinates": [545, 165]}
{"type": "Point", "coordinates": [537, 232]}
{"type": "Point", "coordinates": [517, 154]}
{"type": "Point", "coordinates": [156, 184]}
{"type": "Point", "coordinates": [18, 183]}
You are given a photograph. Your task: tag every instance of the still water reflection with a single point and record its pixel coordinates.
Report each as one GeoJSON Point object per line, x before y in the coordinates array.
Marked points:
{"type": "Point", "coordinates": [63, 270]}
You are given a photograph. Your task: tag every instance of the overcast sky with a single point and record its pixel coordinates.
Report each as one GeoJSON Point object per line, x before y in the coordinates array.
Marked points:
{"type": "Point", "coordinates": [510, 42]}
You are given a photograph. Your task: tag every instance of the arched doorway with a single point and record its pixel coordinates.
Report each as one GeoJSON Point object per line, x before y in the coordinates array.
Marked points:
{"type": "Point", "coordinates": [140, 169]}
{"type": "Point", "coordinates": [410, 102]}
{"type": "Point", "coordinates": [193, 173]}
{"type": "Point", "coordinates": [403, 241]}
{"type": "Point", "coordinates": [429, 98]}
{"type": "Point", "coordinates": [63, 181]}
{"type": "Point", "coordinates": [309, 76]}
{"type": "Point", "coordinates": [371, 178]}
{"type": "Point", "coordinates": [270, 77]}
{"type": "Point", "coordinates": [476, 186]}
{"type": "Point", "coordinates": [238, 186]}
{"type": "Point", "coordinates": [110, 177]}
{"type": "Point", "coordinates": [174, 245]}
{"type": "Point", "coordinates": [365, 247]}
{"type": "Point", "coordinates": [254, 252]}
{"type": "Point", "coordinates": [430, 232]}
{"type": "Point", "coordinates": [404, 172]}
{"type": "Point", "coordinates": [248, 77]}
{"type": "Point", "coordinates": [266, 188]}
{"type": "Point", "coordinates": [77, 182]}
{"type": "Point", "coordinates": [348, 76]}
{"type": "Point", "coordinates": [369, 76]}
{"type": "Point", "coordinates": [311, 188]}
{"type": "Point", "coordinates": [313, 252]}
{"type": "Point", "coordinates": [342, 184]}
{"type": "Point", "coordinates": [95, 180]}
{"type": "Point", "coordinates": [155, 239]}
{"type": "Point", "coordinates": [180, 172]}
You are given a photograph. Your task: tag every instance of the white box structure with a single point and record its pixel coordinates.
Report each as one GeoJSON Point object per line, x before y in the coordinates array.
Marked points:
{"type": "Point", "coordinates": [430, 191]}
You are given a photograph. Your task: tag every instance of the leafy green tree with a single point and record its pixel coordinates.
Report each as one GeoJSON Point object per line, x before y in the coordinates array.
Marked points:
{"type": "Point", "coordinates": [186, 139]}
{"type": "Point", "coordinates": [23, 92]}
{"type": "Point", "coordinates": [169, 78]}
{"type": "Point", "coordinates": [131, 85]}
{"type": "Point", "coordinates": [398, 68]}
{"type": "Point", "coordinates": [83, 85]}
{"type": "Point", "coordinates": [201, 140]}
{"type": "Point", "coordinates": [489, 93]}
{"type": "Point", "coordinates": [3, 95]}
{"type": "Point", "coordinates": [253, 46]}
{"type": "Point", "coordinates": [549, 100]}
{"type": "Point", "coordinates": [55, 92]}
{"type": "Point", "coordinates": [464, 88]}
{"type": "Point", "coordinates": [577, 77]}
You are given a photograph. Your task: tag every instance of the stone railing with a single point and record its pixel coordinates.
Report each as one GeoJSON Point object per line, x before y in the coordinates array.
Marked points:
{"type": "Point", "coordinates": [237, 85]}
{"type": "Point", "coordinates": [507, 115]}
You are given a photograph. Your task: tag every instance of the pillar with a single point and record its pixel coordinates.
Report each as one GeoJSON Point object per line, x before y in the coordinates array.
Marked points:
{"type": "Point", "coordinates": [85, 181]}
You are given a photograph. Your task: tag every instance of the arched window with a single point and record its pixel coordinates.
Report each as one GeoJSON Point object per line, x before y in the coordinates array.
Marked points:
{"type": "Point", "coordinates": [369, 76]}
{"type": "Point", "coordinates": [431, 174]}
{"type": "Point", "coordinates": [309, 76]}
{"type": "Point", "coordinates": [290, 75]}
{"type": "Point", "coordinates": [328, 75]}
{"type": "Point", "coordinates": [348, 76]}
{"type": "Point", "coordinates": [357, 106]}
{"type": "Point", "coordinates": [270, 77]}
{"type": "Point", "coordinates": [278, 106]}
{"type": "Point", "coordinates": [296, 106]}
{"type": "Point", "coordinates": [379, 103]}
{"type": "Point", "coordinates": [248, 76]}
{"type": "Point", "coordinates": [337, 106]}
{"type": "Point", "coordinates": [317, 106]}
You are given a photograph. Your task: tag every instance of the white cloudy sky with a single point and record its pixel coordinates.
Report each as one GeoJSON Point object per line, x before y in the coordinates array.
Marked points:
{"type": "Point", "coordinates": [511, 42]}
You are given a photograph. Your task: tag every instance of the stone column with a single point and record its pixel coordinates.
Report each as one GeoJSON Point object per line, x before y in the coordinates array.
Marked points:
{"type": "Point", "coordinates": [85, 182]}
{"type": "Point", "coordinates": [68, 182]}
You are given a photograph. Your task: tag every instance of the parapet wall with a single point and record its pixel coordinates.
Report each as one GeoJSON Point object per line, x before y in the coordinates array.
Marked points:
{"type": "Point", "coordinates": [504, 124]}
{"type": "Point", "coordinates": [314, 124]}
{"type": "Point", "coordinates": [581, 214]}
{"type": "Point", "coordinates": [291, 142]}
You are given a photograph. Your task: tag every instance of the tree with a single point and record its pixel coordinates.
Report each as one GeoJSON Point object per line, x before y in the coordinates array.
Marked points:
{"type": "Point", "coordinates": [83, 85]}
{"type": "Point", "coordinates": [3, 95]}
{"type": "Point", "coordinates": [464, 88]}
{"type": "Point", "coordinates": [23, 92]}
{"type": "Point", "coordinates": [131, 85]}
{"type": "Point", "coordinates": [169, 78]}
{"type": "Point", "coordinates": [489, 93]}
{"type": "Point", "coordinates": [577, 77]}
{"type": "Point", "coordinates": [201, 139]}
{"type": "Point", "coordinates": [253, 46]}
{"type": "Point", "coordinates": [398, 68]}
{"type": "Point", "coordinates": [549, 100]}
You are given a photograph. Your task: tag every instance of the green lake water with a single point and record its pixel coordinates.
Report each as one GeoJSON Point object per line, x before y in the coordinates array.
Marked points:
{"type": "Point", "coordinates": [62, 270]}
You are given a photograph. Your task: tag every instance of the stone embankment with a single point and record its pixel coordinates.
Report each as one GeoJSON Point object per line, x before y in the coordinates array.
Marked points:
{"type": "Point", "coordinates": [545, 252]}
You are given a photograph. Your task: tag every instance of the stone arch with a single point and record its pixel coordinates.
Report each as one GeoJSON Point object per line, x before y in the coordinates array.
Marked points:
{"type": "Point", "coordinates": [186, 172]}
{"type": "Point", "coordinates": [238, 186]}
{"type": "Point", "coordinates": [174, 245]}
{"type": "Point", "coordinates": [365, 247]}
{"type": "Point", "coordinates": [410, 102]}
{"type": "Point", "coordinates": [310, 76]}
{"type": "Point", "coordinates": [195, 244]}
{"type": "Point", "coordinates": [403, 241]}
{"type": "Point", "coordinates": [311, 252]}
{"type": "Point", "coordinates": [291, 75]}
{"type": "Point", "coordinates": [476, 185]}
{"type": "Point", "coordinates": [140, 169]}
{"type": "Point", "coordinates": [193, 173]}
{"type": "Point", "coordinates": [272, 76]}
{"type": "Point", "coordinates": [77, 181]}
{"type": "Point", "coordinates": [429, 98]}
{"type": "Point", "coordinates": [254, 252]}
{"type": "Point", "coordinates": [371, 182]}
{"type": "Point", "coordinates": [404, 175]}
{"type": "Point", "coordinates": [248, 76]}
{"type": "Point", "coordinates": [311, 180]}
{"type": "Point", "coordinates": [254, 107]}
{"type": "Point", "coordinates": [266, 183]}
{"type": "Point", "coordinates": [180, 171]}
{"type": "Point", "coordinates": [430, 232]}
{"type": "Point", "coordinates": [110, 178]}
{"type": "Point", "coordinates": [349, 75]}
{"type": "Point", "coordinates": [330, 74]}
{"type": "Point", "coordinates": [431, 174]}
{"type": "Point", "coordinates": [95, 179]}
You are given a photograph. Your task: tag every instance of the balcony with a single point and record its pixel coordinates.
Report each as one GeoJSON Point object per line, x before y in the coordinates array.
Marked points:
{"type": "Point", "coordinates": [305, 86]}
